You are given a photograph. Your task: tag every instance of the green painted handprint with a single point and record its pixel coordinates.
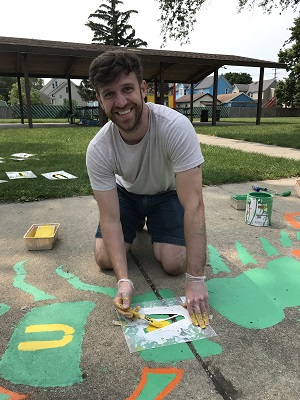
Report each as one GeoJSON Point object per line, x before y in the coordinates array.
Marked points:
{"type": "Point", "coordinates": [256, 298]}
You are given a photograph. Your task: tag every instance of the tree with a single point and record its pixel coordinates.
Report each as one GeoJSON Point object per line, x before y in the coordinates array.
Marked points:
{"type": "Point", "coordinates": [178, 17]}
{"type": "Point", "coordinates": [6, 83]}
{"type": "Point", "coordinates": [288, 90]}
{"type": "Point", "coordinates": [238, 77]}
{"type": "Point", "coordinates": [36, 85]}
{"type": "Point", "coordinates": [113, 30]}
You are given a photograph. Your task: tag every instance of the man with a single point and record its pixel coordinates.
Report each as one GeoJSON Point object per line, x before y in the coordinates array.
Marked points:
{"type": "Point", "coordinates": [146, 162]}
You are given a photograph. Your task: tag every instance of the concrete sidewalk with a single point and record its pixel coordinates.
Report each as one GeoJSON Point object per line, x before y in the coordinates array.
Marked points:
{"type": "Point", "coordinates": [253, 278]}
{"type": "Point", "coordinates": [251, 147]}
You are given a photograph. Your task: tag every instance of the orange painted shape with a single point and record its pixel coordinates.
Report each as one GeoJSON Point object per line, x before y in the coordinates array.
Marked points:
{"type": "Point", "coordinates": [143, 381]}
{"type": "Point", "coordinates": [13, 395]}
{"type": "Point", "coordinates": [296, 253]}
{"type": "Point", "coordinates": [290, 218]}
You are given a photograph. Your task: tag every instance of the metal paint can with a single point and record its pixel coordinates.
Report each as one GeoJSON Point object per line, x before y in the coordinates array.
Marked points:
{"type": "Point", "coordinates": [258, 209]}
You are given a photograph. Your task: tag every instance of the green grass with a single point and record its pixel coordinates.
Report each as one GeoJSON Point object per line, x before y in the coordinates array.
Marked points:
{"type": "Point", "coordinates": [65, 149]}
{"type": "Point", "coordinates": [57, 149]}
{"type": "Point", "coordinates": [283, 132]}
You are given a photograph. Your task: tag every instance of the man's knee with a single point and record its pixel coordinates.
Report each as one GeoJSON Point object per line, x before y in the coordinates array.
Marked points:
{"type": "Point", "coordinates": [101, 256]}
{"type": "Point", "coordinates": [172, 257]}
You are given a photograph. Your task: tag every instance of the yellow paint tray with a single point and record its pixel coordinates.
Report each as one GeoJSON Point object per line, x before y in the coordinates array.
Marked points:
{"type": "Point", "coordinates": [41, 237]}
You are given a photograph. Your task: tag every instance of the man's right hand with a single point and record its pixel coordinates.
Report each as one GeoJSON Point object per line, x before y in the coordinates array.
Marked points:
{"type": "Point", "coordinates": [123, 298]}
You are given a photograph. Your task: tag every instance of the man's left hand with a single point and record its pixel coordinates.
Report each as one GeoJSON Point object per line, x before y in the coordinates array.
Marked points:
{"type": "Point", "coordinates": [197, 303]}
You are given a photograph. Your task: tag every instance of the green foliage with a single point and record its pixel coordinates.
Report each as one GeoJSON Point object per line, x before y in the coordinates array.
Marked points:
{"type": "Point", "coordinates": [178, 17]}
{"type": "Point", "coordinates": [86, 91]}
{"type": "Point", "coordinates": [288, 90]}
{"type": "Point", "coordinates": [269, 5]}
{"type": "Point", "coordinates": [6, 83]}
{"type": "Point", "coordinates": [114, 28]}
{"type": "Point", "coordinates": [35, 86]}
{"type": "Point", "coordinates": [238, 77]}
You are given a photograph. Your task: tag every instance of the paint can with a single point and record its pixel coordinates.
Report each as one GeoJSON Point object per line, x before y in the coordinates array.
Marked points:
{"type": "Point", "coordinates": [258, 209]}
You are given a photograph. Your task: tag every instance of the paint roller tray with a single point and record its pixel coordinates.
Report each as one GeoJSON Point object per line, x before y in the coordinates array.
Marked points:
{"type": "Point", "coordinates": [41, 237]}
{"type": "Point", "coordinates": [238, 201]}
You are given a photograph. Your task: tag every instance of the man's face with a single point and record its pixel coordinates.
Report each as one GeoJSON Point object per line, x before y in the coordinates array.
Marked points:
{"type": "Point", "coordinates": [123, 102]}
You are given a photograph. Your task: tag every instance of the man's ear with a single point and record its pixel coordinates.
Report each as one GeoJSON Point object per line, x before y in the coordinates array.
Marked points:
{"type": "Point", "coordinates": [144, 88]}
{"type": "Point", "coordinates": [99, 101]}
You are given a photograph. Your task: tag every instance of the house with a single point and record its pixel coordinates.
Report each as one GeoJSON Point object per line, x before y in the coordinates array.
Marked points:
{"type": "Point", "coordinates": [236, 100]}
{"type": "Point", "coordinates": [205, 86]}
{"type": "Point", "coordinates": [199, 100]}
{"type": "Point", "coordinates": [251, 89]}
{"type": "Point", "coordinates": [56, 92]}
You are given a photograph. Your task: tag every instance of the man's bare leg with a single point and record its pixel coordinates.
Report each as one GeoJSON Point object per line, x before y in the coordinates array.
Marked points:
{"type": "Point", "coordinates": [101, 255]}
{"type": "Point", "coordinates": [171, 256]}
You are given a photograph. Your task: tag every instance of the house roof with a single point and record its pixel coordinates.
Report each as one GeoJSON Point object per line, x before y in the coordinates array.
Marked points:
{"type": "Point", "coordinates": [242, 87]}
{"type": "Point", "coordinates": [52, 59]}
{"type": "Point", "coordinates": [186, 98]}
{"type": "Point", "coordinates": [208, 82]}
{"type": "Point", "coordinates": [226, 98]}
{"type": "Point", "coordinates": [253, 87]}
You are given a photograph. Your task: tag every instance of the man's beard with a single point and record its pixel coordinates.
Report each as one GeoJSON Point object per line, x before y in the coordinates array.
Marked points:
{"type": "Point", "coordinates": [130, 126]}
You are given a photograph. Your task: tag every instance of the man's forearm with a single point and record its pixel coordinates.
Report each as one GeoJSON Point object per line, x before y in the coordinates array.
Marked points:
{"type": "Point", "coordinates": [195, 238]}
{"type": "Point", "coordinates": [115, 247]}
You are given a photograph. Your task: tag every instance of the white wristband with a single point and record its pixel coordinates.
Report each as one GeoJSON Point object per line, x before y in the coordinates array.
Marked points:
{"type": "Point", "coordinates": [193, 278]}
{"type": "Point", "coordinates": [125, 280]}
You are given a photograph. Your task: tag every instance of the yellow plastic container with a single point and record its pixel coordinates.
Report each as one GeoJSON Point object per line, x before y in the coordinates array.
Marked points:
{"type": "Point", "coordinates": [41, 237]}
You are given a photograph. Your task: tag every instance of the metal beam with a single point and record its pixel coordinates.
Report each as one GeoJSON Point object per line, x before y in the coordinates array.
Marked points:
{"type": "Point", "coordinates": [260, 94]}
{"type": "Point", "coordinates": [27, 90]}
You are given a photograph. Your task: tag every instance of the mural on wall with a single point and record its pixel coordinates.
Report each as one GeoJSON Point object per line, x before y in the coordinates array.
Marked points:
{"type": "Point", "coordinates": [52, 334]}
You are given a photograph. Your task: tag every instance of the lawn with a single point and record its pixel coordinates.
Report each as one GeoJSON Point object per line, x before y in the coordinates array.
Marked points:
{"type": "Point", "coordinates": [283, 132]}
{"type": "Point", "coordinates": [64, 149]}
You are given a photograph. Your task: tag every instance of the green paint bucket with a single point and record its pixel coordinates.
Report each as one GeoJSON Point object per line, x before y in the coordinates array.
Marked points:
{"type": "Point", "coordinates": [258, 209]}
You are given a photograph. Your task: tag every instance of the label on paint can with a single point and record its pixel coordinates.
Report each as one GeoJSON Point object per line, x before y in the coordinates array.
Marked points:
{"type": "Point", "coordinates": [258, 209]}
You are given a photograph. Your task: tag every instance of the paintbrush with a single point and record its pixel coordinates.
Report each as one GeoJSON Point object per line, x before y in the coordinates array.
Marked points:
{"type": "Point", "coordinates": [284, 194]}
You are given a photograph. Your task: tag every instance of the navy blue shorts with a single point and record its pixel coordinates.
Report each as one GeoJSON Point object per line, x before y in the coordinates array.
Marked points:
{"type": "Point", "coordinates": [164, 214]}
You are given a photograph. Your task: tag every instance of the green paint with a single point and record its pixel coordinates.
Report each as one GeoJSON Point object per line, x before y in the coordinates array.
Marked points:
{"type": "Point", "coordinates": [256, 298]}
{"type": "Point", "coordinates": [268, 248]}
{"type": "Point", "coordinates": [298, 235]}
{"type": "Point", "coordinates": [285, 240]}
{"type": "Point", "coordinates": [77, 284]}
{"type": "Point", "coordinates": [215, 260]}
{"type": "Point", "coordinates": [170, 354]}
{"type": "Point", "coordinates": [19, 282]}
{"type": "Point", "coordinates": [206, 348]}
{"type": "Point", "coordinates": [50, 367]}
{"type": "Point", "coordinates": [243, 254]}
{"type": "Point", "coordinates": [4, 396]}
{"type": "Point", "coordinates": [3, 309]}
{"type": "Point", "coordinates": [155, 385]}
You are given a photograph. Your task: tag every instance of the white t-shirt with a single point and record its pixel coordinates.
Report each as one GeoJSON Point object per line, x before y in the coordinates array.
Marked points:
{"type": "Point", "coordinates": [169, 146]}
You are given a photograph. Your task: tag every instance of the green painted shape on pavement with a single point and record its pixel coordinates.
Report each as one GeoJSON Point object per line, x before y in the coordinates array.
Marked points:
{"type": "Point", "coordinates": [155, 384]}
{"type": "Point", "coordinates": [79, 285]}
{"type": "Point", "coordinates": [243, 254]}
{"type": "Point", "coordinates": [58, 366]}
{"type": "Point", "coordinates": [268, 248]}
{"type": "Point", "coordinates": [3, 308]}
{"type": "Point", "coordinates": [4, 396]}
{"type": "Point", "coordinates": [285, 239]}
{"type": "Point", "coordinates": [256, 298]}
{"type": "Point", "coordinates": [19, 282]}
{"type": "Point", "coordinates": [215, 260]}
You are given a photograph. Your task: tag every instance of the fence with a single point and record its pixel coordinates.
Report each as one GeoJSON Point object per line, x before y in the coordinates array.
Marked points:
{"type": "Point", "coordinates": [52, 112]}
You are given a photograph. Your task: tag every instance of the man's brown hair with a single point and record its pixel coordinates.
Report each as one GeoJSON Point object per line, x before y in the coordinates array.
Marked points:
{"type": "Point", "coordinates": [107, 67]}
